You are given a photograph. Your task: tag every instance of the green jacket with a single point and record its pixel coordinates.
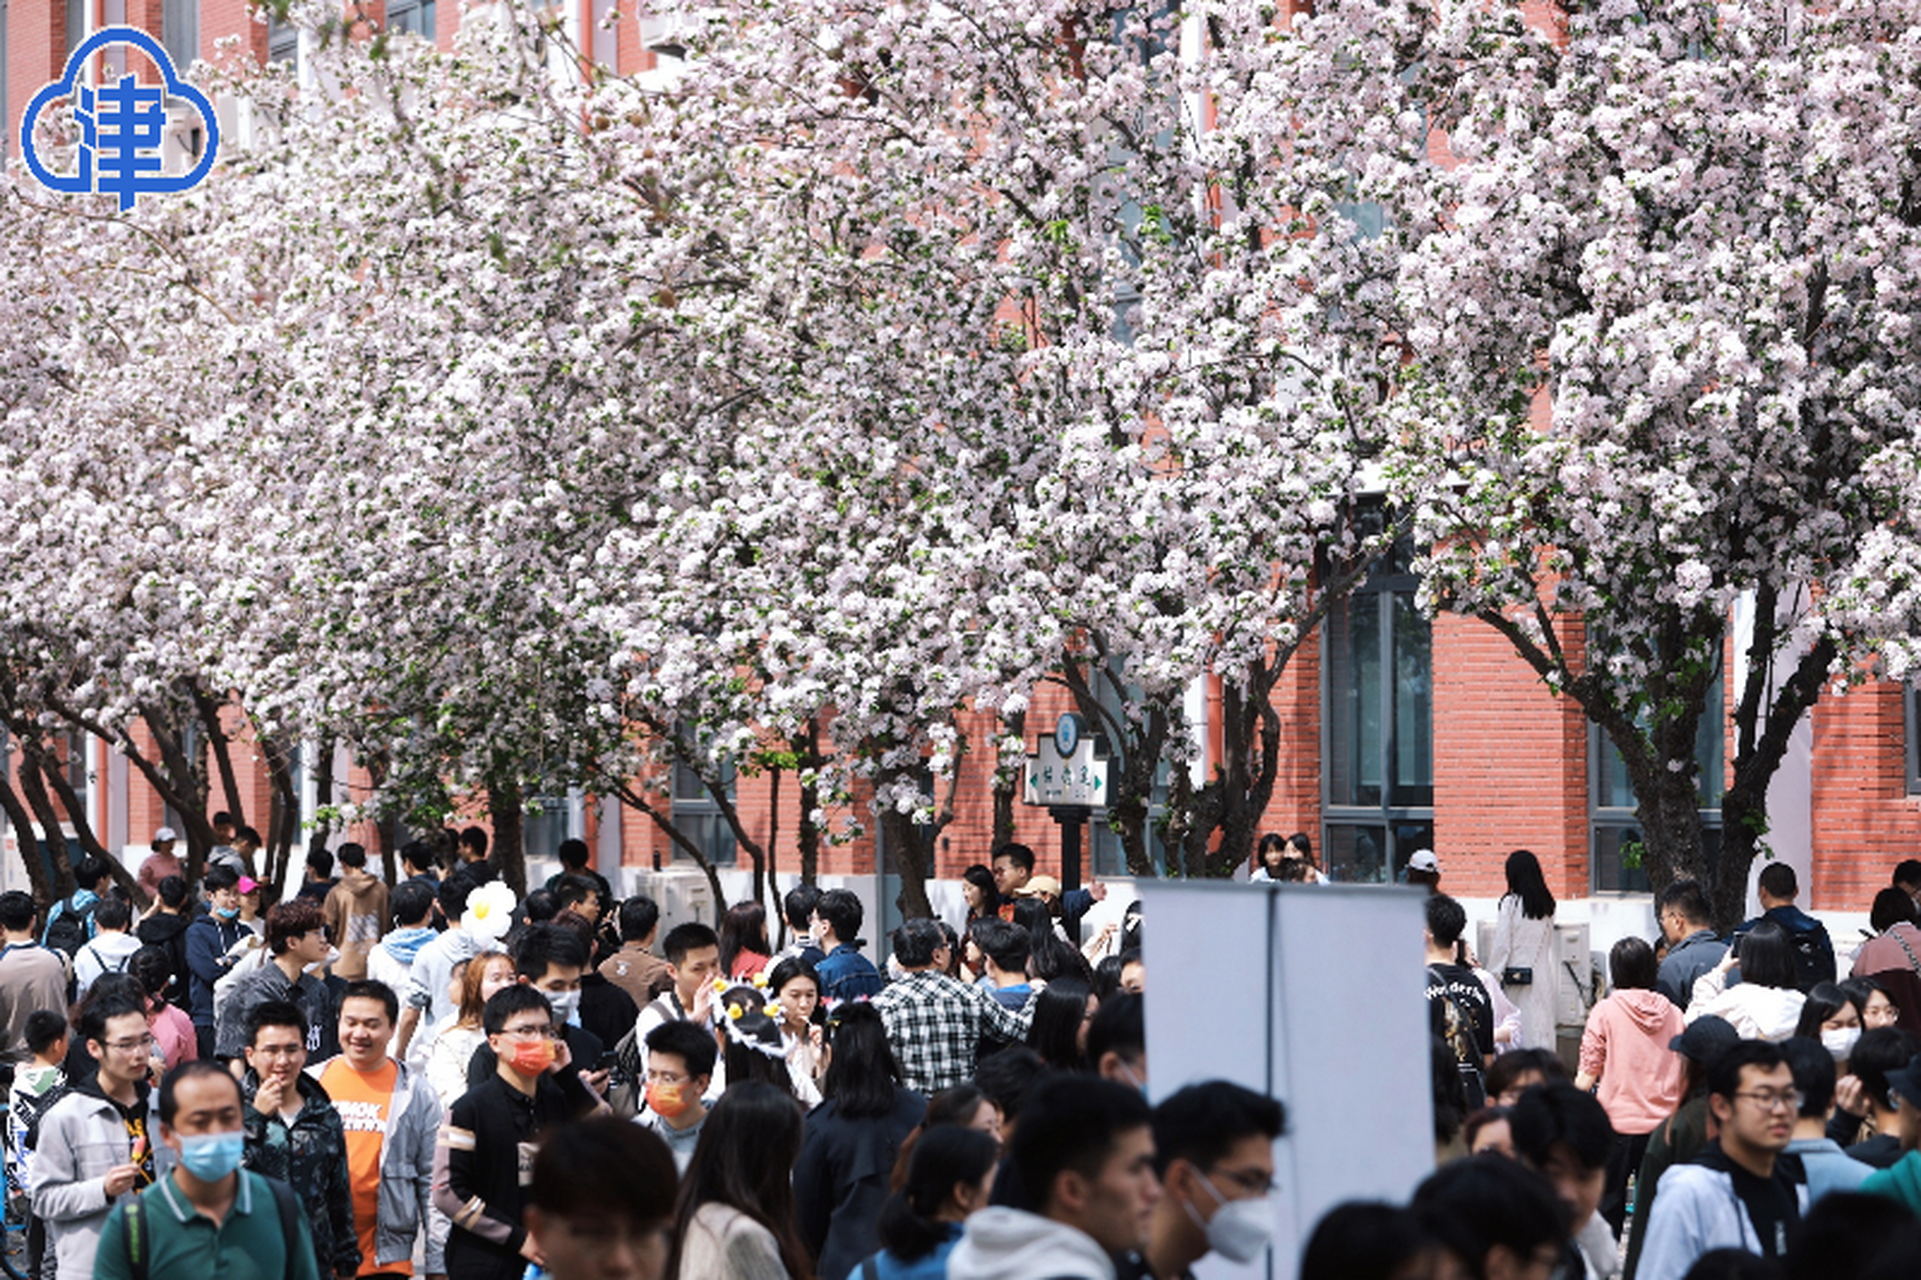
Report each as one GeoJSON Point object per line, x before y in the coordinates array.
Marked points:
{"type": "Point", "coordinates": [1900, 1181]}
{"type": "Point", "coordinates": [311, 1157]}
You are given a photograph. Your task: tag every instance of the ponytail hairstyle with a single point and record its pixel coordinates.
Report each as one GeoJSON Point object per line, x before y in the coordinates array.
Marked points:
{"type": "Point", "coordinates": [945, 1156]}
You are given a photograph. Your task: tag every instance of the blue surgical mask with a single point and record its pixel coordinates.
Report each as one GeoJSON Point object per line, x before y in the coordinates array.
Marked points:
{"type": "Point", "coordinates": [226, 913]}
{"type": "Point", "coordinates": [212, 1156]}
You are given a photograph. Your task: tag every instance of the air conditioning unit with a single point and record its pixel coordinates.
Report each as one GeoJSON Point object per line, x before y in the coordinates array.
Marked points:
{"type": "Point", "coordinates": [684, 896]}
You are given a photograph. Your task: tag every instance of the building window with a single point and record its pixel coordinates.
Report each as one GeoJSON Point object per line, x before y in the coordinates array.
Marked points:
{"type": "Point", "coordinates": [1378, 727]}
{"type": "Point", "coordinates": [6, 120]}
{"type": "Point", "coordinates": [1614, 831]}
{"type": "Point", "coordinates": [283, 42]}
{"type": "Point", "coordinates": [1911, 709]}
{"type": "Point", "coordinates": [180, 31]}
{"type": "Point", "coordinates": [77, 24]}
{"type": "Point", "coordinates": [549, 820]}
{"type": "Point", "coordinates": [415, 16]}
{"type": "Point", "coordinates": [699, 818]}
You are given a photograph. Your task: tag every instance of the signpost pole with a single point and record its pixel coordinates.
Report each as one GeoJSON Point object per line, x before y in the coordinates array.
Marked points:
{"type": "Point", "coordinates": [1071, 817]}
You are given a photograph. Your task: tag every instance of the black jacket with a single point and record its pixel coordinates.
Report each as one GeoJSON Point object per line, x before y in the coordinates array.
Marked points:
{"type": "Point", "coordinates": [840, 1181]}
{"type": "Point", "coordinates": [169, 933]}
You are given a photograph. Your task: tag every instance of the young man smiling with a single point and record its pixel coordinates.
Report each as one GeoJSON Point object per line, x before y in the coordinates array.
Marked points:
{"type": "Point", "coordinates": [391, 1116]}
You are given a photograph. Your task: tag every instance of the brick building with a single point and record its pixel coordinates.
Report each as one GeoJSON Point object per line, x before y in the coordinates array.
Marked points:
{"type": "Point", "coordinates": [1400, 733]}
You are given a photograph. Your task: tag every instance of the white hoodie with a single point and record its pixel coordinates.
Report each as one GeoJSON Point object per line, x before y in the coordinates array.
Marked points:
{"type": "Point", "coordinates": [1757, 1012]}
{"type": "Point", "coordinates": [999, 1243]}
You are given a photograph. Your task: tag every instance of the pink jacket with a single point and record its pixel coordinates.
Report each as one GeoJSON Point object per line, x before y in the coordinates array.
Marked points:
{"type": "Point", "coordinates": [1625, 1047]}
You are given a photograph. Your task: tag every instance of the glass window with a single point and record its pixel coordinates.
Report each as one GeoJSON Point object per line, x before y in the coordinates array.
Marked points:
{"type": "Point", "coordinates": [77, 14]}
{"type": "Point", "coordinates": [699, 818]}
{"type": "Point", "coordinates": [416, 16]}
{"type": "Point", "coordinates": [1911, 706]}
{"type": "Point", "coordinates": [1378, 737]}
{"type": "Point", "coordinates": [180, 31]}
{"type": "Point", "coordinates": [283, 41]}
{"type": "Point", "coordinates": [1614, 831]}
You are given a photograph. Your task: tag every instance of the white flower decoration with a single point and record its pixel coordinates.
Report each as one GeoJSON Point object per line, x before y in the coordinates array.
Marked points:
{"type": "Point", "coordinates": [490, 912]}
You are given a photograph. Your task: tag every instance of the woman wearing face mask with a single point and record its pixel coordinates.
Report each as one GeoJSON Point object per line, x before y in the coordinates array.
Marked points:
{"type": "Point", "coordinates": [949, 1177]}
{"type": "Point", "coordinates": [455, 1042]}
{"type": "Point", "coordinates": [1832, 1017]}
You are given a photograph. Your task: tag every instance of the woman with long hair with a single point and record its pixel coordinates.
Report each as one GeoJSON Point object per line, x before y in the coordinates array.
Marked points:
{"type": "Point", "coordinates": [949, 1177]}
{"type": "Point", "coordinates": [1831, 1015]}
{"type": "Point", "coordinates": [1524, 955]}
{"type": "Point", "coordinates": [1767, 1004]}
{"type": "Point", "coordinates": [796, 991]}
{"type": "Point", "coordinates": [852, 1141]}
{"type": "Point", "coordinates": [983, 896]}
{"type": "Point", "coordinates": [964, 1105]}
{"type": "Point", "coordinates": [735, 1216]}
{"type": "Point", "coordinates": [455, 1042]}
{"type": "Point", "coordinates": [744, 949]}
{"type": "Point", "coordinates": [1058, 1032]}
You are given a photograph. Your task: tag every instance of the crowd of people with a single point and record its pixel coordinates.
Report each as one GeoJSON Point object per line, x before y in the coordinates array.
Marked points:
{"type": "Point", "coordinates": [436, 1077]}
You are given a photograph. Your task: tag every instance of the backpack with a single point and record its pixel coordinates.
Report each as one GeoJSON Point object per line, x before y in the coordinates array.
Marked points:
{"type": "Point", "coordinates": [1812, 962]}
{"type": "Point", "coordinates": [70, 929]}
{"type": "Point", "coordinates": [135, 1226]}
{"type": "Point", "coordinates": [1457, 1029]}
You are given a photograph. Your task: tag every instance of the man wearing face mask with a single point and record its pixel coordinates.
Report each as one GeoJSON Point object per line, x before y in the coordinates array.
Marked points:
{"type": "Point", "coordinates": [209, 947]}
{"type": "Point", "coordinates": [1214, 1148]}
{"type": "Point", "coordinates": [551, 958]}
{"type": "Point", "coordinates": [492, 1132]}
{"type": "Point", "coordinates": [209, 1217]}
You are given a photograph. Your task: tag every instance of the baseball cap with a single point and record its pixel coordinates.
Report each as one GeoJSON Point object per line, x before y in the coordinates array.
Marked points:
{"type": "Point", "coordinates": [1038, 885]}
{"type": "Point", "coordinates": [1704, 1038]}
{"type": "Point", "coordinates": [1907, 1081]}
{"type": "Point", "coordinates": [1424, 860]}
{"type": "Point", "coordinates": [247, 884]}
{"type": "Point", "coordinates": [165, 833]}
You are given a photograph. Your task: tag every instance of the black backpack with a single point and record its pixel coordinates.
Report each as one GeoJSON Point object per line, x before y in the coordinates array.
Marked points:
{"type": "Point", "coordinates": [70, 930]}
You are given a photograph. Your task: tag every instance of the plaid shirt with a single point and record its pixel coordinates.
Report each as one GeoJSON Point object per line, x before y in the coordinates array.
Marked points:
{"type": "Point", "coordinates": [935, 1023]}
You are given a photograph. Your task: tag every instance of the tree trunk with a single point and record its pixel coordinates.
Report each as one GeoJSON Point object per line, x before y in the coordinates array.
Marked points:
{"type": "Point", "coordinates": [217, 741]}
{"type": "Point", "coordinates": [1134, 750]}
{"type": "Point", "coordinates": [897, 829]}
{"type": "Point", "coordinates": [807, 837]}
{"type": "Point", "coordinates": [324, 798]}
{"type": "Point", "coordinates": [283, 813]}
{"type": "Point", "coordinates": [641, 804]}
{"type": "Point", "coordinates": [56, 778]}
{"type": "Point", "coordinates": [1007, 782]}
{"type": "Point", "coordinates": [23, 837]}
{"type": "Point", "coordinates": [54, 840]}
{"type": "Point", "coordinates": [510, 853]}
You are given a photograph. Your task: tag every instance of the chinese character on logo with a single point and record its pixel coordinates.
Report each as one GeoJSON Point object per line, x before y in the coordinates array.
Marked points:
{"type": "Point", "coordinates": [121, 125]}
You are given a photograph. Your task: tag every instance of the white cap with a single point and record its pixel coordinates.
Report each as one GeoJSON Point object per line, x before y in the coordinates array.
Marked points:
{"type": "Point", "coordinates": [165, 833]}
{"type": "Point", "coordinates": [1423, 860]}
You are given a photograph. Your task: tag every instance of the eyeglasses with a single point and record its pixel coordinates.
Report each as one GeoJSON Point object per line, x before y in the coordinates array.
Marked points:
{"type": "Point", "coordinates": [141, 1042]}
{"type": "Point", "coordinates": [1252, 1181]}
{"type": "Point", "coordinates": [541, 1033]}
{"type": "Point", "coordinates": [1771, 1100]}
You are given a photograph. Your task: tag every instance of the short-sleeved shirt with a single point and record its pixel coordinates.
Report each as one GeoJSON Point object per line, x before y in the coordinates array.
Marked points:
{"type": "Point", "coordinates": [364, 1100]}
{"type": "Point", "coordinates": [185, 1244]}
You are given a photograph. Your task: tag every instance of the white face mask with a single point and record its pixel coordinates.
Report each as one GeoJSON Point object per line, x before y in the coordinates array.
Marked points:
{"type": "Point", "coordinates": [1240, 1229]}
{"type": "Point", "coordinates": [1840, 1042]}
{"type": "Point", "coordinates": [566, 1005]}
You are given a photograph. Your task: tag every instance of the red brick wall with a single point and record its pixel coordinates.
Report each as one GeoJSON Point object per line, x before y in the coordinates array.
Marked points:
{"type": "Point", "coordinates": [1864, 820]}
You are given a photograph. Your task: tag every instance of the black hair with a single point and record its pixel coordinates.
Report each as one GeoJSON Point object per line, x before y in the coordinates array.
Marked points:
{"type": "Point", "coordinates": [173, 892]}
{"type": "Point", "coordinates": [275, 1013]}
{"type": "Point", "coordinates": [508, 1001]}
{"type": "Point", "coordinates": [605, 1168]}
{"type": "Point", "coordinates": [743, 928]}
{"type": "Point", "coordinates": [745, 1160]}
{"type": "Point", "coordinates": [220, 876]}
{"type": "Point", "coordinates": [1007, 1076]}
{"type": "Point", "coordinates": [474, 838]}
{"type": "Point", "coordinates": [1473, 1205]}
{"type": "Point", "coordinates": [1107, 978]}
{"type": "Point", "coordinates": [1859, 989]}
{"type": "Point", "coordinates": [1907, 871]}
{"type": "Point", "coordinates": [413, 903]}
{"type": "Point", "coordinates": [683, 938]}
{"type": "Point", "coordinates": [1072, 1123]}
{"type": "Point", "coordinates": [1515, 1063]}
{"type": "Point", "coordinates": [16, 911]}
{"type": "Point", "coordinates": [573, 854]}
{"type": "Point", "coordinates": [1844, 1233]}
{"type": "Point", "coordinates": [320, 861]}
{"type": "Point", "coordinates": [1446, 919]}
{"type": "Point", "coordinates": [842, 911]}
{"type": "Point", "coordinates": [1724, 1076]}
{"type": "Point", "coordinates": [353, 855]}
{"type": "Point", "coordinates": [541, 906]}
{"type": "Point", "coordinates": [863, 1078]}
{"type": "Point", "coordinates": [1032, 915]}
{"type": "Point", "coordinates": [416, 854]}
{"type": "Point", "coordinates": [106, 1001]}
{"type": "Point", "coordinates": [1732, 1264]}
{"type": "Point", "coordinates": [1767, 957]}
{"type": "Point", "coordinates": [983, 881]}
{"type": "Point", "coordinates": [247, 835]}
{"type": "Point", "coordinates": [373, 989]}
{"type": "Point", "coordinates": [955, 1105]}
{"type": "Point", "coordinates": [1778, 880]}
{"type": "Point", "coordinates": [1119, 1026]}
{"type": "Point", "coordinates": [1813, 1068]}
{"type": "Point", "coordinates": [1363, 1240]}
{"type": "Point", "coordinates": [190, 1070]}
{"type": "Point", "coordinates": [1688, 898]}
{"type": "Point", "coordinates": [1300, 840]}
{"type": "Point", "coordinates": [1825, 999]}
{"type": "Point", "coordinates": [221, 818]}
{"type": "Point", "coordinates": [1876, 1053]}
{"type": "Point", "coordinates": [1525, 882]}
{"type": "Point", "coordinates": [639, 916]}
{"type": "Point", "coordinates": [1005, 944]}
{"type": "Point", "coordinates": [573, 891]}
{"type": "Point", "coordinates": [152, 968]}
{"type": "Point", "coordinates": [89, 872]}
{"type": "Point", "coordinates": [798, 906]}
{"type": "Point", "coordinates": [1056, 959]}
{"type": "Point", "coordinates": [1059, 1010]}
{"type": "Point", "coordinates": [786, 971]}
{"type": "Point", "coordinates": [1891, 907]}
{"type": "Point", "coordinates": [1200, 1123]}
{"type": "Point", "coordinates": [543, 946]}
{"type": "Point", "coordinates": [1481, 1119]}
{"type": "Point", "coordinates": [916, 942]}
{"type": "Point", "coordinates": [1019, 854]}
{"type": "Point", "coordinates": [112, 913]}
{"type": "Point", "coordinates": [43, 1030]}
{"type": "Point", "coordinates": [1631, 964]}
{"type": "Point", "coordinates": [1559, 1112]}
{"type": "Point", "coordinates": [1272, 842]}
{"type": "Point", "coordinates": [693, 1046]}
{"type": "Point", "coordinates": [294, 918]}
{"type": "Point", "coordinates": [942, 1158]}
